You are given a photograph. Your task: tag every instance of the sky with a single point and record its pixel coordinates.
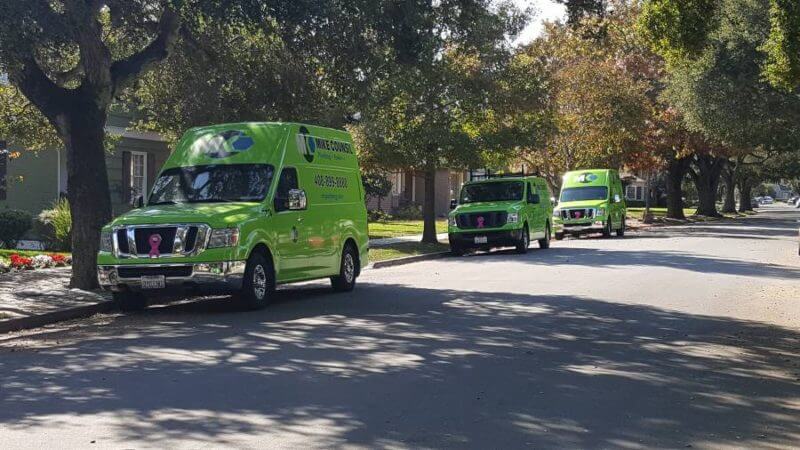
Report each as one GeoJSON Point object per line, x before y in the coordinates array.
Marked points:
{"type": "Point", "coordinates": [544, 10]}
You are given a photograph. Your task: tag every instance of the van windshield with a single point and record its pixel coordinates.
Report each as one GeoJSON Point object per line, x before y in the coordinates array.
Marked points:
{"type": "Point", "coordinates": [492, 192]}
{"type": "Point", "coordinates": [584, 193]}
{"type": "Point", "coordinates": [207, 184]}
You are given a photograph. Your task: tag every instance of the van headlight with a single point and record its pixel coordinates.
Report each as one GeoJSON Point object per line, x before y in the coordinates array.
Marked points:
{"type": "Point", "coordinates": [512, 218]}
{"type": "Point", "coordinates": [452, 221]}
{"type": "Point", "coordinates": [556, 213]}
{"type": "Point", "coordinates": [105, 241]}
{"type": "Point", "coordinates": [223, 237]}
{"type": "Point", "coordinates": [600, 212]}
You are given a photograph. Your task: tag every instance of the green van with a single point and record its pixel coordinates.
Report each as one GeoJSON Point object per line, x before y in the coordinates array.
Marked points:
{"type": "Point", "coordinates": [501, 212]}
{"type": "Point", "coordinates": [590, 201]}
{"type": "Point", "coordinates": [239, 208]}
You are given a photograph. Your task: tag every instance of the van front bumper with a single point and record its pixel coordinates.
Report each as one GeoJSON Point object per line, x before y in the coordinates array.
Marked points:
{"type": "Point", "coordinates": [498, 238]}
{"type": "Point", "coordinates": [591, 227]}
{"type": "Point", "coordinates": [220, 276]}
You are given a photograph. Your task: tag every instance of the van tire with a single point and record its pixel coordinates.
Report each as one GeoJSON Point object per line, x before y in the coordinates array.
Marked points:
{"type": "Point", "coordinates": [130, 301]}
{"type": "Point", "coordinates": [607, 229]}
{"type": "Point", "coordinates": [621, 230]}
{"type": "Point", "coordinates": [348, 270]}
{"type": "Point", "coordinates": [559, 236]}
{"type": "Point", "coordinates": [544, 243]}
{"type": "Point", "coordinates": [524, 241]}
{"type": "Point", "coordinates": [258, 285]}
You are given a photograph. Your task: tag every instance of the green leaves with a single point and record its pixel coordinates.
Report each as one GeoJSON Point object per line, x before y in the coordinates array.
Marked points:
{"type": "Point", "coordinates": [782, 67]}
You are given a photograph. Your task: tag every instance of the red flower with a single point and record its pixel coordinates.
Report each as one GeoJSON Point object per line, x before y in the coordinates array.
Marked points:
{"type": "Point", "coordinates": [59, 260]}
{"type": "Point", "coordinates": [21, 262]}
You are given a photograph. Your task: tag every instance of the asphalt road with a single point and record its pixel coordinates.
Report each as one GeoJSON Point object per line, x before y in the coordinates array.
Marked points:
{"type": "Point", "coordinates": [671, 338]}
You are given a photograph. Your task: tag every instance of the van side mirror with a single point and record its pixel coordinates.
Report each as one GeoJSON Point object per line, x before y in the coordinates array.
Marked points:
{"type": "Point", "coordinates": [617, 198]}
{"type": "Point", "coordinates": [296, 200]}
{"type": "Point", "coordinates": [453, 204]}
{"type": "Point", "coordinates": [553, 201]}
{"type": "Point", "coordinates": [138, 201]}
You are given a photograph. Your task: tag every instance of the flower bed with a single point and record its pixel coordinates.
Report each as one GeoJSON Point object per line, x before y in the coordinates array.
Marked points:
{"type": "Point", "coordinates": [18, 262]}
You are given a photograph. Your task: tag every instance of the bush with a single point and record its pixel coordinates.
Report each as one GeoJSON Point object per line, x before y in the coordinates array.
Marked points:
{"type": "Point", "coordinates": [410, 212]}
{"type": "Point", "coordinates": [56, 225]}
{"type": "Point", "coordinates": [377, 215]}
{"type": "Point", "coordinates": [13, 226]}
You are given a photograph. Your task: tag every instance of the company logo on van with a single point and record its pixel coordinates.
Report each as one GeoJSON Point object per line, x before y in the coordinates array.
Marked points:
{"type": "Point", "coordinates": [223, 145]}
{"type": "Point", "coordinates": [308, 145]}
{"type": "Point", "coordinates": [586, 177]}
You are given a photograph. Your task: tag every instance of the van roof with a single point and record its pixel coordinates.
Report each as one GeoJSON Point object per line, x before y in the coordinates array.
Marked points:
{"type": "Point", "coordinates": [263, 124]}
{"type": "Point", "coordinates": [501, 179]}
{"type": "Point", "coordinates": [588, 177]}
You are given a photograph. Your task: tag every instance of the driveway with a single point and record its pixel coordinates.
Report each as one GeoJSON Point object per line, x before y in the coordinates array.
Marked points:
{"type": "Point", "coordinates": [677, 337]}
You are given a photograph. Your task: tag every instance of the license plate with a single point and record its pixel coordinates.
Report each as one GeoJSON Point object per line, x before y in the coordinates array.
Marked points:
{"type": "Point", "coordinates": [154, 282]}
{"type": "Point", "coordinates": [481, 240]}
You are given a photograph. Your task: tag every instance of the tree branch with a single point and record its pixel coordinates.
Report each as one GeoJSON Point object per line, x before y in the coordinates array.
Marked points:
{"type": "Point", "coordinates": [40, 90]}
{"type": "Point", "coordinates": [123, 72]}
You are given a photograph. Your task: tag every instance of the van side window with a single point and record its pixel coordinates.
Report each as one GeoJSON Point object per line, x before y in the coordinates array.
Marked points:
{"type": "Point", "coordinates": [531, 193]}
{"type": "Point", "coordinates": [286, 183]}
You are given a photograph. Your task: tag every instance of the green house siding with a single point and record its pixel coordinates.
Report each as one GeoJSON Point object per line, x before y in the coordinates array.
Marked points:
{"type": "Point", "coordinates": [32, 181]}
{"type": "Point", "coordinates": [35, 179]}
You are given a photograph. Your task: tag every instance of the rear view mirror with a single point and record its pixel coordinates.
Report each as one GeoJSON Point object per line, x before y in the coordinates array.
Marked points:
{"type": "Point", "coordinates": [297, 200]}
{"type": "Point", "coordinates": [138, 201]}
{"type": "Point", "coordinates": [453, 204]}
{"type": "Point", "coordinates": [617, 198]}
{"type": "Point", "coordinates": [553, 201]}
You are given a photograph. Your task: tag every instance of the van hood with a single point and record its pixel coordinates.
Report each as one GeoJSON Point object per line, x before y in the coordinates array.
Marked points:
{"type": "Point", "coordinates": [217, 215]}
{"type": "Point", "coordinates": [583, 204]}
{"type": "Point", "coordinates": [479, 207]}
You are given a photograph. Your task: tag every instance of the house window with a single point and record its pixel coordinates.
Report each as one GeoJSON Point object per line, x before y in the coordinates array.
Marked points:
{"type": "Point", "coordinates": [397, 183]}
{"type": "Point", "coordinates": [639, 193]}
{"type": "Point", "coordinates": [3, 169]}
{"type": "Point", "coordinates": [630, 193]}
{"type": "Point", "coordinates": [138, 175]}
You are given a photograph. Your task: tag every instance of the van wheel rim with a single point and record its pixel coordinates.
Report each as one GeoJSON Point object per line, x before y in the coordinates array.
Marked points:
{"type": "Point", "coordinates": [259, 282]}
{"type": "Point", "coordinates": [349, 268]}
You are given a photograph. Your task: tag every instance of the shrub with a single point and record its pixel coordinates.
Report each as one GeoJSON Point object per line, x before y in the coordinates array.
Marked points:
{"type": "Point", "coordinates": [377, 215]}
{"type": "Point", "coordinates": [13, 225]}
{"type": "Point", "coordinates": [21, 262]}
{"type": "Point", "coordinates": [410, 212]}
{"type": "Point", "coordinates": [4, 266]}
{"type": "Point", "coordinates": [57, 225]}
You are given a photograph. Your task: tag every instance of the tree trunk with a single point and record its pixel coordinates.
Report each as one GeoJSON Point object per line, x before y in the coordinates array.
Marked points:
{"type": "Point", "coordinates": [706, 178]}
{"type": "Point", "coordinates": [729, 176]}
{"type": "Point", "coordinates": [429, 208]}
{"type": "Point", "coordinates": [87, 189]}
{"type": "Point", "coordinates": [676, 171]}
{"type": "Point", "coordinates": [745, 193]}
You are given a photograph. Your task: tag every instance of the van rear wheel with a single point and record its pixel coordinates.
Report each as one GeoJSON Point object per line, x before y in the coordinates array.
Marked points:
{"type": "Point", "coordinates": [259, 282]}
{"type": "Point", "coordinates": [348, 270]}
{"type": "Point", "coordinates": [544, 243]}
{"type": "Point", "coordinates": [607, 229]}
{"type": "Point", "coordinates": [621, 230]}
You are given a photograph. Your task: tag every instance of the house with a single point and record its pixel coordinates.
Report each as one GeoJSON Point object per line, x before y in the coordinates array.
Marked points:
{"type": "Point", "coordinates": [34, 180]}
{"type": "Point", "coordinates": [408, 189]}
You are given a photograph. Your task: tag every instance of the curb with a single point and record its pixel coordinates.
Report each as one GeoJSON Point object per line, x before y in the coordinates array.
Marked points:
{"type": "Point", "coordinates": [407, 260]}
{"type": "Point", "coordinates": [24, 323]}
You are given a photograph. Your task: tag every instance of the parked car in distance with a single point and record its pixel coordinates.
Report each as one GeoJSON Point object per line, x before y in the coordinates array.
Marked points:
{"type": "Point", "coordinates": [755, 203]}
{"type": "Point", "coordinates": [239, 208]}
{"type": "Point", "coordinates": [590, 201]}
{"type": "Point", "coordinates": [501, 212]}
{"type": "Point", "coordinates": [767, 200]}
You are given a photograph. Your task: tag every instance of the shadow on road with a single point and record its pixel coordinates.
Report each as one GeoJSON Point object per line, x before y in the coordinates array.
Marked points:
{"type": "Point", "coordinates": [395, 365]}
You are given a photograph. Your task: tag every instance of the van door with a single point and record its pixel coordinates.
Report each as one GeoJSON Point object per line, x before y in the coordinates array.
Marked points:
{"type": "Point", "coordinates": [292, 247]}
{"type": "Point", "coordinates": [537, 222]}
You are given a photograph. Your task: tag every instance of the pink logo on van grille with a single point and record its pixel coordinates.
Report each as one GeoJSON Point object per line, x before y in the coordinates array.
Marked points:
{"type": "Point", "coordinates": [481, 221]}
{"type": "Point", "coordinates": [154, 240]}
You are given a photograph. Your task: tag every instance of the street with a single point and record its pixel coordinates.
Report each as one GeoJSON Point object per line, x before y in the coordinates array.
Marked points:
{"type": "Point", "coordinates": [670, 338]}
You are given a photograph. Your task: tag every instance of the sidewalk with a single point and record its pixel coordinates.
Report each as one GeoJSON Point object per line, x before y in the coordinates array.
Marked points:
{"type": "Point", "coordinates": [383, 242]}
{"type": "Point", "coordinates": [37, 297]}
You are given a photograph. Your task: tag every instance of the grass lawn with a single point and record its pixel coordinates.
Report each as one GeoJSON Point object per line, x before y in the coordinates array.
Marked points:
{"type": "Point", "coordinates": [395, 228]}
{"type": "Point", "coordinates": [404, 249]}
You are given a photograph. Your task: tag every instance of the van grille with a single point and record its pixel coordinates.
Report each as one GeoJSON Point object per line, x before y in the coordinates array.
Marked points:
{"type": "Point", "coordinates": [142, 235]}
{"type": "Point", "coordinates": [492, 219]}
{"type": "Point", "coordinates": [191, 239]}
{"type": "Point", "coordinates": [577, 214]}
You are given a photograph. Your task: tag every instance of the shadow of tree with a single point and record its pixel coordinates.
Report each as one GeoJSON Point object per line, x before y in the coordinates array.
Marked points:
{"type": "Point", "coordinates": [392, 365]}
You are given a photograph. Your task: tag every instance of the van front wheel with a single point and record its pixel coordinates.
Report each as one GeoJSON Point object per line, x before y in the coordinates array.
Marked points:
{"type": "Point", "coordinates": [259, 282]}
{"type": "Point", "coordinates": [621, 230]}
{"type": "Point", "coordinates": [524, 241]}
{"type": "Point", "coordinates": [346, 280]}
{"type": "Point", "coordinates": [544, 243]}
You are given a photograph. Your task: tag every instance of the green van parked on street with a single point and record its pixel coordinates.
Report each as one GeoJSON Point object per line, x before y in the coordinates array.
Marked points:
{"type": "Point", "coordinates": [501, 212]}
{"type": "Point", "coordinates": [239, 208]}
{"type": "Point", "coordinates": [591, 201]}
